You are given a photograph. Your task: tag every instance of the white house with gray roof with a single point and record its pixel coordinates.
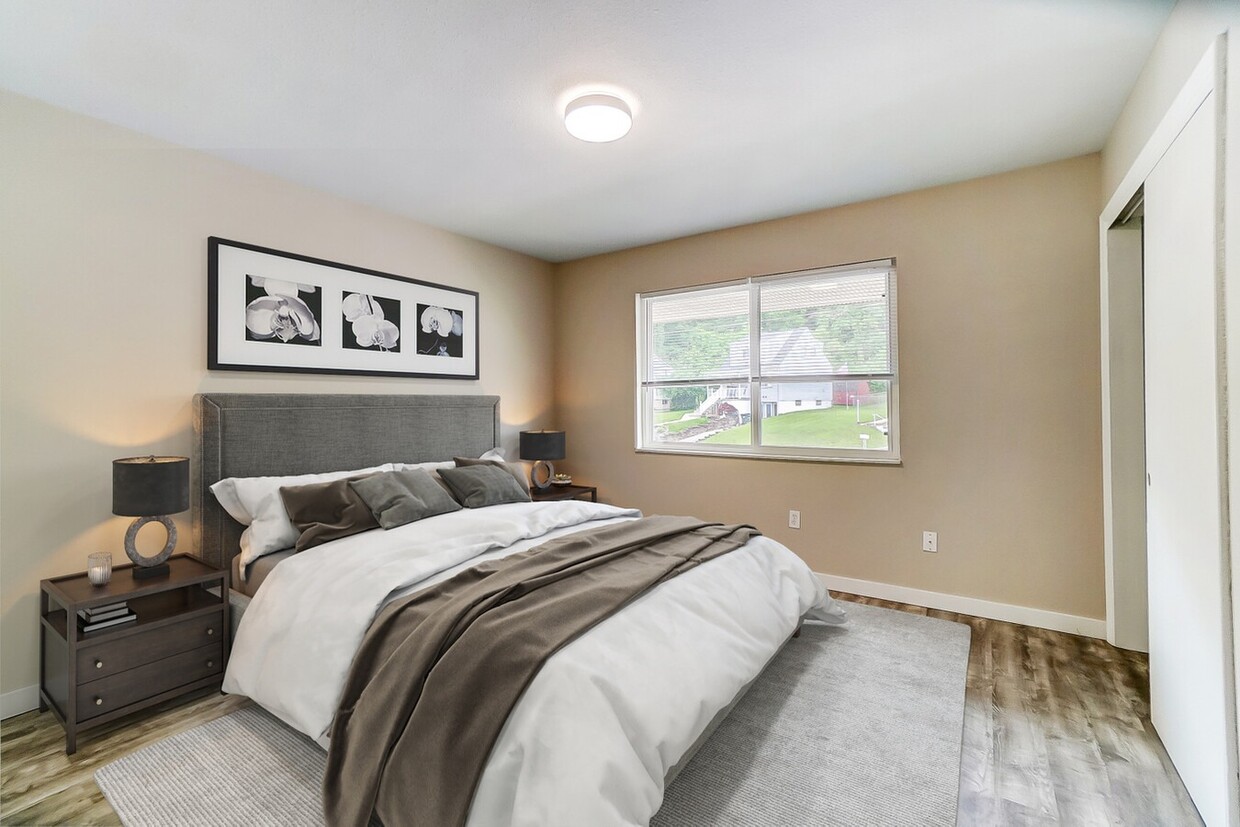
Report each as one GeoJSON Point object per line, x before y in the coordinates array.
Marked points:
{"type": "Point", "coordinates": [788, 353]}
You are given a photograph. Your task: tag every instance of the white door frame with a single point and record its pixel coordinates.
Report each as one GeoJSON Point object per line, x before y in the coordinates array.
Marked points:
{"type": "Point", "coordinates": [1229, 155]}
{"type": "Point", "coordinates": [1126, 619]}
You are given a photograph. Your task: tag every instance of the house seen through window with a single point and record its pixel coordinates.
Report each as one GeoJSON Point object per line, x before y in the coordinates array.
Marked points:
{"type": "Point", "coordinates": [793, 366]}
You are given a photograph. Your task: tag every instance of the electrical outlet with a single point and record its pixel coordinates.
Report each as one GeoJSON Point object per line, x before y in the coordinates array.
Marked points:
{"type": "Point", "coordinates": [794, 519]}
{"type": "Point", "coordinates": [930, 541]}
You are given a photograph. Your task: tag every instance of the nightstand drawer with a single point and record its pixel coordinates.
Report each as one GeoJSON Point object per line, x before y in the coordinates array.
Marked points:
{"type": "Point", "coordinates": [109, 657]}
{"type": "Point", "coordinates": [108, 694]}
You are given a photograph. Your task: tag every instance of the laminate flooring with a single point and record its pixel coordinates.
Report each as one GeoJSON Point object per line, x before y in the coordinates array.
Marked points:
{"type": "Point", "coordinates": [1056, 731]}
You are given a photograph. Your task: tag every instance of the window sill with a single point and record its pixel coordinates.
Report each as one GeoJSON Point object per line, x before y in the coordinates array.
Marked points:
{"type": "Point", "coordinates": [859, 460]}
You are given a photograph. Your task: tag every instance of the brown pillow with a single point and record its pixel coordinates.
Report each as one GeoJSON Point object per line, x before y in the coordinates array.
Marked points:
{"type": "Point", "coordinates": [462, 462]}
{"type": "Point", "coordinates": [324, 511]}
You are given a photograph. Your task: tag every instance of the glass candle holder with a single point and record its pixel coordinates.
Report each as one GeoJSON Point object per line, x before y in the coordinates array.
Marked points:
{"type": "Point", "coordinates": [99, 568]}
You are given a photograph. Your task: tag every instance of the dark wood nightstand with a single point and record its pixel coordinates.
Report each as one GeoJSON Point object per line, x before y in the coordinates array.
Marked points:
{"type": "Point", "coordinates": [564, 492]}
{"type": "Point", "coordinates": [178, 644]}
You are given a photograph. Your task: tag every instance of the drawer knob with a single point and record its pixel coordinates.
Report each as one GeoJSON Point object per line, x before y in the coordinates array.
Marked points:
{"type": "Point", "coordinates": [210, 664]}
{"type": "Point", "coordinates": [210, 632]}
{"type": "Point", "coordinates": [98, 664]}
{"type": "Point", "coordinates": [98, 701]}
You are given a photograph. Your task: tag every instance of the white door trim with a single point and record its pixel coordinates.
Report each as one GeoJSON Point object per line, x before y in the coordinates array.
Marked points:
{"type": "Point", "coordinates": [1200, 84]}
{"type": "Point", "coordinates": [1217, 66]}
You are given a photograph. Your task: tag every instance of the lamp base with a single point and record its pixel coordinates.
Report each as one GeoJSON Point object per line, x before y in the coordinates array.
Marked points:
{"type": "Point", "coordinates": [152, 566]}
{"type": "Point", "coordinates": [150, 572]}
{"type": "Point", "coordinates": [546, 481]}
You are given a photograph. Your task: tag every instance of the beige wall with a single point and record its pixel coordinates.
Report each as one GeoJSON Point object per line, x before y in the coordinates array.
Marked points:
{"type": "Point", "coordinates": [1188, 32]}
{"type": "Point", "coordinates": [103, 324]}
{"type": "Point", "coordinates": [999, 390]}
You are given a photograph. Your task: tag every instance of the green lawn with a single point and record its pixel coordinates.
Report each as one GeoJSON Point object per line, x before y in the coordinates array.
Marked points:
{"type": "Point", "coordinates": [823, 428]}
{"type": "Point", "coordinates": [684, 424]}
{"type": "Point", "coordinates": [667, 416]}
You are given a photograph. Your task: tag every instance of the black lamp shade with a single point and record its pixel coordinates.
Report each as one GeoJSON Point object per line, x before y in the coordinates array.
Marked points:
{"type": "Point", "coordinates": [542, 445]}
{"type": "Point", "coordinates": [150, 486]}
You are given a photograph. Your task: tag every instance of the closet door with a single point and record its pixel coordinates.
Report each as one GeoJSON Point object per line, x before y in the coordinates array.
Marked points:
{"type": "Point", "coordinates": [1190, 659]}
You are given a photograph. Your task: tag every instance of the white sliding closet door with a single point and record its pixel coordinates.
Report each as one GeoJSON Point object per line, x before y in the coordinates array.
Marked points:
{"type": "Point", "coordinates": [1190, 660]}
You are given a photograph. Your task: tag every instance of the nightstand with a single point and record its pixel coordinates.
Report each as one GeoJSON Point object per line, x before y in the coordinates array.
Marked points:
{"type": "Point", "coordinates": [178, 644]}
{"type": "Point", "coordinates": [564, 492]}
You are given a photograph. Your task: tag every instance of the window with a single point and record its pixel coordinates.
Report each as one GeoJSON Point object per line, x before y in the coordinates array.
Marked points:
{"type": "Point", "coordinates": [790, 366]}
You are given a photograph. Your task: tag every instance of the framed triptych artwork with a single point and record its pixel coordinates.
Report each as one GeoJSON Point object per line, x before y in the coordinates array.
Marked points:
{"type": "Point", "coordinates": [269, 310]}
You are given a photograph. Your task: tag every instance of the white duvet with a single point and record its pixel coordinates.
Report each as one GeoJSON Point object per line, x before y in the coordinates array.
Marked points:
{"type": "Point", "coordinates": [598, 729]}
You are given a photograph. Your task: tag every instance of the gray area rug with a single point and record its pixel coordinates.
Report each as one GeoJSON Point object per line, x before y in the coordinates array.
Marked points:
{"type": "Point", "coordinates": [848, 726]}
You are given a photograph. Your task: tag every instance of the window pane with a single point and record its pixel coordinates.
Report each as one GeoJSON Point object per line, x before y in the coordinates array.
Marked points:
{"type": "Point", "coordinates": [825, 415]}
{"type": "Point", "coordinates": [699, 335]}
{"type": "Point", "coordinates": [819, 332]}
{"type": "Point", "coordinates": [695, 414]}
{"type": "Point", "coordinates": [827, 325]}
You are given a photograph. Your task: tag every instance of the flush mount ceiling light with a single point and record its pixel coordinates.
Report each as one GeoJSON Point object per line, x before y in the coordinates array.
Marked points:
{"type": "Point", "coordinates": [598, 118]}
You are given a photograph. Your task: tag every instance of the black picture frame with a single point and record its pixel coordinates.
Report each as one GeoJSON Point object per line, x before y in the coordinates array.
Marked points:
{"type": "Point", "coordinates": [275, 311]}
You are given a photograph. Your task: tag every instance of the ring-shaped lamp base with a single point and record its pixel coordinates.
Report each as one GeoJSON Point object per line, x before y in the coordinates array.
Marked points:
{"type": "Point", "coordinates": [148, 567]}
{"type": "Point", "coordinates": [546, 481]}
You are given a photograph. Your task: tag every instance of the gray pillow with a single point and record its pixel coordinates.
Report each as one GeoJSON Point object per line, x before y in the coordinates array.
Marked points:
{"type": "Point", "coordinates": [476, 486]}
{"type": "Point", "coordinates": [517, 474]}
{"type": "Point", "coordinates": [396, 498]}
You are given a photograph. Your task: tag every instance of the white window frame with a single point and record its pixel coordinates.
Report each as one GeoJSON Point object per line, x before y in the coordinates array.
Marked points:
{"type": "Point", "coordinates": [645, 426]}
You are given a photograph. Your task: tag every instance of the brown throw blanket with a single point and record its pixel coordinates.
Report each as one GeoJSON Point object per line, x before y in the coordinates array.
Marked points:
{"type": "Point", "coordinates": [439, 671]}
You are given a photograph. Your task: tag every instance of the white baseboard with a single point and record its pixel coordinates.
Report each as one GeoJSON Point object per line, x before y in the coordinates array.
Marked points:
{"type": "Point", "coordinates": [19, 701]}
{"type": "Point", "coordinates": [1025, 616]}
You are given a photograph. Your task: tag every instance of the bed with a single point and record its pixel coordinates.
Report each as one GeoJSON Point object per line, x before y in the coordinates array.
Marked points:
{"type": "Point", "coordinates": [610, 718]}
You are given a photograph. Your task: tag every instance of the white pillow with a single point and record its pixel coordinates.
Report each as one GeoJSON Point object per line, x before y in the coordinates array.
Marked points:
{"type": "Point", "coordinates": [431, 468]}
{"type": "Point", "coordinates": [255, 502]}
{"type": "Point", "coordinates": [227, 496]}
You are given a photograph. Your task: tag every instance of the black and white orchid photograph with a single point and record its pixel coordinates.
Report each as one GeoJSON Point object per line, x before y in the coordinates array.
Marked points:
{"type": "Point", "coordinates": [340, 318]}
{"type": "Point", "coordinates": [284, 312]}
{"type": "Point", "coordinates": [371, 323]}
{"type": "Point", "coordinates": [440, 331]}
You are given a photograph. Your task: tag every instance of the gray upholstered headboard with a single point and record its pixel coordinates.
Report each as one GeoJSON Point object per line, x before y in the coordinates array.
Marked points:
{"type": "Point", "coordinates": [251, 435]}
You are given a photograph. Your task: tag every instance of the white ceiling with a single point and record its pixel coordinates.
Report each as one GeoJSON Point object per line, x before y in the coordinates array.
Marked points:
{"type": "Point", "coordinates": [449, 111]}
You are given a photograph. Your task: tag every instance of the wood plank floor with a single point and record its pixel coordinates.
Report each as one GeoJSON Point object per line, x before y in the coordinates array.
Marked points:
{"type": "Point", "coordinates": [1056, 731]}
{"type": "Point", "coordinates": [39, 784]}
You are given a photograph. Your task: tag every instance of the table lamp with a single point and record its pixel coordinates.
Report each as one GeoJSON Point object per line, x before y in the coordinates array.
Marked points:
{"type": "Point", "coordinates": [150, 488]}
{"type": "Point", "coordinates": [542, 446]}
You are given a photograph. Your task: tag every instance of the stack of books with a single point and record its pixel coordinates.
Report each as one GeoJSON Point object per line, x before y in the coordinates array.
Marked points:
{"type": "Point", "coordinates": [101, 617]}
